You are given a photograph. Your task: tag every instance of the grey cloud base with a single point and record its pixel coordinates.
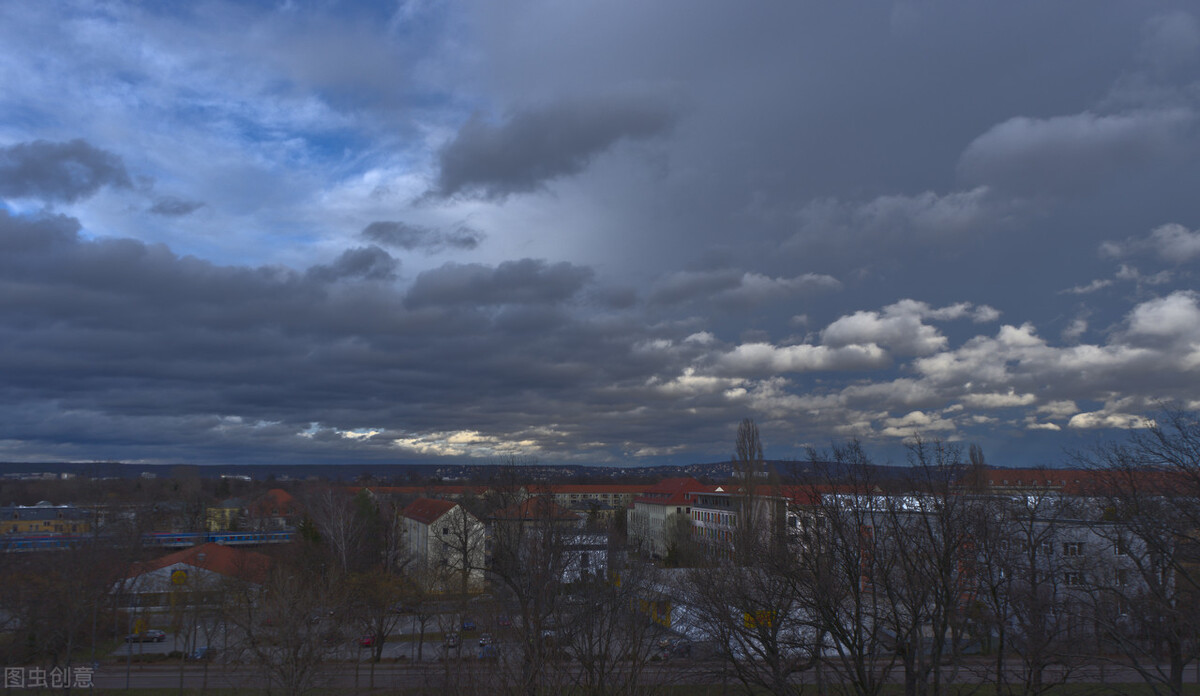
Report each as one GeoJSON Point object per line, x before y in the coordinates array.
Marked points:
{"type": "Point", "coordinates": [115, 348]}
{"type": "Point", "coordinates": [58, 171]}
{"type": "Point", "coordinates": [538, 145]}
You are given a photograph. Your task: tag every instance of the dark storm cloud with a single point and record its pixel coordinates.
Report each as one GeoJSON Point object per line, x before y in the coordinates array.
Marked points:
{"type": "Point", "coordinates": [58, 171]}
{"type": "Point", "coordinates": [119, 349]}
{"type": "Point", "coordinates": [528, 281]}
{"type": "Point", "coordinates": [412, 237]}
{"type": "Point", "coordinates": [170, 206]}
{"type": "Point", "coordinates": [364, 263]}
{"type": "Point", "coordinates": [104, 340]}
{"type": "Point", "coordinates": [910, 160]}
{"type": "Point", "coordinates": [539, 145]}
{"type": "Point", "coordinates": [686, 286]}
{"type": "Point", "coordinates": [736, 289]}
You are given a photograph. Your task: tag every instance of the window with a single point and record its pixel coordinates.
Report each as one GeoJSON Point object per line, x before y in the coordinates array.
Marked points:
{"type": "Point", "coordinates": [1121, 546]}
{"type": "Point", "coordinates": [1073, 548]}
{"type": "Point", "coordinates": [1122, 577]}
{"type": "Point", "coordinates": [1073, 579]}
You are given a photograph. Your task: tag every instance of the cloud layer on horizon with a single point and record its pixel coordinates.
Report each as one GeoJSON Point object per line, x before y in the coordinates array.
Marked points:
{"type": "Point", "coordinates": [595, 232]}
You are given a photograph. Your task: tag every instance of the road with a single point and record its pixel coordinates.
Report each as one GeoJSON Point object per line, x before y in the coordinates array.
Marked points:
{"type": "Point", "coordinates": [343, 676]}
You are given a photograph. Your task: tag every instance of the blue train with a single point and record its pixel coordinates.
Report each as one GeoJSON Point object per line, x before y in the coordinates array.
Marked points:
{"type": "Point", "coordinates": [176, 540]}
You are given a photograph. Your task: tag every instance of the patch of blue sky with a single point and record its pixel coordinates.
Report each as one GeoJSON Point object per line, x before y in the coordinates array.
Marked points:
{"type": "Point", "coordinates": [336, 146]}
{"type": "Point", "coordinates": [20, 119]}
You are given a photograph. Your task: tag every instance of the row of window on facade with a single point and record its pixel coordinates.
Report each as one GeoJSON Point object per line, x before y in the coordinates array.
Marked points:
{"type": "Point", "coordinates": [1075, 578]}
{"type": "Point", "coordinates": [723, 518]}
{"type": "Point", "coordinates": [1070, 549]}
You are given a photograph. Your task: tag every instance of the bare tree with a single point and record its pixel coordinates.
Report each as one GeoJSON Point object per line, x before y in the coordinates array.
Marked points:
{"type": "Point", "coordinates": [339, 524]}
{"type": "Point", "coordinates": [681, 547]}
{"type": "Point", "coordinates": [756, 617]}
{"type": "Point", "coordinates": [611, 643]}
{"type": "Point", "coordinates": [935, 574]}
{"type": "Point", "coordinates": [754, 599]}
{"type": "Point", "coordinates": [844, 558]}
{"type": "Point", "coordinates": [275, 628]}
{"type": "Point", "coordinates": [1022, 596]}
{"type": "Point", "coordinates": [372, 598]}
{"type": "Point", "coordinates": [528, 562]}
{"type": "Point", "coordinates": [1146, 600]}
{"type": "Point", "coordinates": [748, 477]}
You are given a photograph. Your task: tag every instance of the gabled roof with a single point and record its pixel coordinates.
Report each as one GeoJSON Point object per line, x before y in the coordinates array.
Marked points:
{"type": "Point", "coordinates": [672, 491]}
{"type": "Point", "coordinates": [428, 510]}
{"type": "Point", "coordinates": [226, 560]}
{"type": "Point", "coordinates": [274, 502]}
{"type": "Point", "coordinates": [539, 508]}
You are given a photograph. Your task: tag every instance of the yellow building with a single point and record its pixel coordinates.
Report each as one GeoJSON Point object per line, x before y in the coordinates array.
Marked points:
{"type": "Point", "coordinates": [43, 518]}
{"type": "Point", "coordinates": [224, 516]}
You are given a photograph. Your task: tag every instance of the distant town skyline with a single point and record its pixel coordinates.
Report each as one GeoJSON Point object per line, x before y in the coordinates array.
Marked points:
{"type": "Point", "coordinates": [592, 232]}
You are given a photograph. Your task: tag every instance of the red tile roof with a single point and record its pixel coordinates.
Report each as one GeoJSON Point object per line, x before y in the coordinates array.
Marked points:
{"type": "Point", "coordinates": [428, 510]}
{"type": "Point", "coordinates": [672, 491]}
{"type": "Point", "coordinates": [274, 502]}
{"type": "Point", "coordinates": [226, 560]}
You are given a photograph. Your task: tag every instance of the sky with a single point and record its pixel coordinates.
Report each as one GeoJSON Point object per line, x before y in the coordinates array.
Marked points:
{"type": "Point", "coordinates": [593, 232]}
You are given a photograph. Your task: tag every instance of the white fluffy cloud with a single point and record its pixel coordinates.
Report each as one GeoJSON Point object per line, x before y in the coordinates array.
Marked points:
{"type": "Point", "coordinates": [900, 327]}
{"type": "Point", "coordinates": [1175, 316]}
{"type": "Point", "coordinates": [999, 400]}
{"type": "Point", "coordinates": [916, 423]}
{"type": "Point", "coordinates": [1101, 419]}
{"type": "Point", "coordinates": [1176, 243]}
{"type": "Point", "coordinates": [764, 358]}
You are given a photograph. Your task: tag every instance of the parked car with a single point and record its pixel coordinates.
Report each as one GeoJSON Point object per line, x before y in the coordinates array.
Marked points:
{"type": "Point", "coordinates": [468, 624]}
{"type": "Point", "coordinates": [200, 654]}
{"type": "Point", "coordinates": [151, 636]}
{"type": "Point", "coordinates": [453, 640]}
{"type": "Point", "coordinates": [367, 641]}
{"type": "Point", "coordinates": [503, 621]}
{"type": "Point", "coordinates": [675, 647]}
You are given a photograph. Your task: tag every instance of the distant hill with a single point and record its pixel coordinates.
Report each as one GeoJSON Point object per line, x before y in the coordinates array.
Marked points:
{"type": "Point", "coordinates": [402, 473]}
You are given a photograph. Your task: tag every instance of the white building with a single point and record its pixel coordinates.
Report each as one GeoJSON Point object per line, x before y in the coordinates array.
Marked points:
{"type": "Point", "coordinates": [652, 513]}
{"type": "Point", "coordinates": [447, 543]}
